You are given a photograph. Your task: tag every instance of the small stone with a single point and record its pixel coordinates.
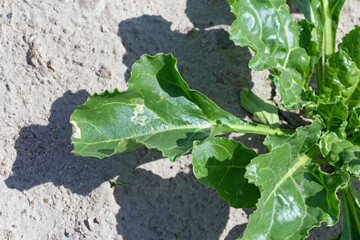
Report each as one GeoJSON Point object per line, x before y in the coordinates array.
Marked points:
{"type": "Point", "coordinates": [97, 220]}
{"type": "Point", "coordinates": [103, 29]}
{"type": "Point", "coordinates": [104, 72]}
{"type": "Point", "coordinates": [88, 224]}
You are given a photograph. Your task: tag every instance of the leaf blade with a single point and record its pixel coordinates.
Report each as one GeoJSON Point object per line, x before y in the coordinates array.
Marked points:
{"type": "Point", "coordinates": [268, 29]}
{"type": "Point", "coordinates": [220, 163]}
{"type": "Point", "coordinates": [295, 196]}
{"type": "Point", "coordinates": [157, 110]}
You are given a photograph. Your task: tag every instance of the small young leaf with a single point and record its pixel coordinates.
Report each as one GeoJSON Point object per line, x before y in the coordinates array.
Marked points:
{"type": "Point", "coordinates": [264, 111]}
{"type": "Point", "coordinates": [350, 160]}
{"type": "Point", "coordinates": [331, 146]}
{"type": "Point", "coordinates": [220, 163]}
{"type": "Point", "coordinates": [295, 196]}
{"type": "Point", "coordinates": [354, 120]}
{"type": "Point", "coordinates": [309, 42]}
{"type": "Point", "coordinates": [313, 13]}
{"type": "Point", "coordinates": [334, 116]}
{"type": "Point", "coordinates": [342, 154]}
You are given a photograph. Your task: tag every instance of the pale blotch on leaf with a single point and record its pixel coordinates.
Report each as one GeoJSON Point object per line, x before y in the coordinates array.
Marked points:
{"type": "Point", "coordinates": [139, 109]}
{"type": "Point", "coordinates": [76, 130]}
{"type": "Point", "coordinates": [139, 120]}
{"type": "Point", "coordinates": [137, 101]}
{"type": "Point", "coordinates": [161, 97]}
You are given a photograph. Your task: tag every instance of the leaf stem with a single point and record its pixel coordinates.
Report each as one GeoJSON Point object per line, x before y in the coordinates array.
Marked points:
{"type": "Point", "coordinates": [319, 69]}
{"type": "Point", "coordinates": [329, 45]}
{"type": "Point", "coordinates": [313, 152]}
{"type": "Point", "coordinates": [260, 129]}
{"type": "Point", "coordinates": [350, 204]}
{"type": "Point", "coordinates": [320, 160]}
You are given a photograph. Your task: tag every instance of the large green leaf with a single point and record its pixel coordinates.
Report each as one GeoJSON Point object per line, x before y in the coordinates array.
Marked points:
{"type": "Point", "coordinates": [157, 110]}
{"type": "Point", "coordinates": [268, 29]}
{"type": "Point", "coordinates": [264, 111]}
{"type": "Point", "coordinates": [342, 79]}
{"type": "Point", "coordinates": [350, 202]}
{"type": "Point", "coordinates": [220, 163]}
{"type": "Point", "coordinates": [296, 195]}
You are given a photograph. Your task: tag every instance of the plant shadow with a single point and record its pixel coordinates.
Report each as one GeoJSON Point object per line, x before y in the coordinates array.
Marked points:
{"type": "Point", "coordinates": [178, 207]}
{"type": "Point", "coordinates": [44, 153]}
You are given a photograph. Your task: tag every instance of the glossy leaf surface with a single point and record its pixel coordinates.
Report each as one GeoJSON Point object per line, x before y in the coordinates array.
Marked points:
{"type": "Point", "coordinates": [296, 195]}
{"type": "Point", "coordinates": [268, 29]}
{"type": "Point", "coordinates": [350, 201]}
{"type": "Point", "coordinates": [342, 80]}
{"type": "Point", "coordinates": [342, 154]}
{"type": "Point", "coordinates": [220, 163]}
{"type": "Point", "coordinates": [157, 110]}
{"type": "Point", "coordinates": [334, 116]}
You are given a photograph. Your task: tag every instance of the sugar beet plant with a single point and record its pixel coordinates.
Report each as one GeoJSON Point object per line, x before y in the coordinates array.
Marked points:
{"type": "Point", "coordinates": [290, 191]}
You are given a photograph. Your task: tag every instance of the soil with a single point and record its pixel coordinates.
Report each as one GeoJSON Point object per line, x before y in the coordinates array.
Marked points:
{"type": "Point", "coordinates": [55, 54]}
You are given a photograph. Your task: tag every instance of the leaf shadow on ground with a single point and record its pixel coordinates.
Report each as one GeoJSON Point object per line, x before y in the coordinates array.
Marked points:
{"type": "Point", "coordinates": [44, 153]}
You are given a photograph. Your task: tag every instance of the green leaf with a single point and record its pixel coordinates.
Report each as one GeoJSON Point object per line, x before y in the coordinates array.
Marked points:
{"type": "Point", "coordinates": [334, 116]}
{"type": "Point", "coordinates": [264, 111]}
{"type": "Point", "coordinates": [354, 120]}
{"type": "Point", "coordinates": [324, 14]}
{"type": "Point", "coordinates": [296, 195]}
{"type": "Point", "coordinates": [220, 163]}
{"type": "Point", "coordinates": [331, 146]}
{"type": "Point", "coordinates": [342, 80]}
{"type": "Point", "coordinates": [268, 29]}
{"type": "Point", "coordinates": [350, 160]}
{"type": "Point", "coordinates": [309, 42]}
{"type": "Point", "coordinates": [350, 202]}
{"type": "Point", "coordinates": [312, 10]}
{"type": "Point", "coordinates": [342, 154]}
{"type": "Point", "coordinates": [157, 110]}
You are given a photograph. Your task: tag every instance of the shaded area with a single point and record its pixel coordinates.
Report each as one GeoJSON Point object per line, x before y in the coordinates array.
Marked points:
{"type": "Point", "coordinates": [206, 56]}
{"type": "Point", "coordinates": [174, 208]}
{"type": "Point", "coordinates": [44, 153]}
